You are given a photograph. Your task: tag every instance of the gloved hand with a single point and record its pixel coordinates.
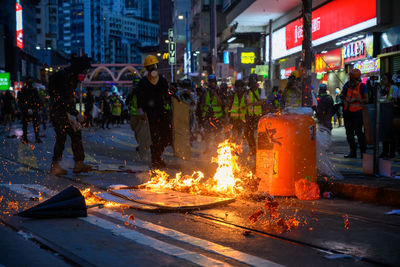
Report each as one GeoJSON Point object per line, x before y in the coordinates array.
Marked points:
{"type": "Point", "coordinates": [80, 118]}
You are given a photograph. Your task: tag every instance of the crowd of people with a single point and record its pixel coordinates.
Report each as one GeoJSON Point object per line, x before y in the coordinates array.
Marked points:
{"type": "Point", "coordinates": [217, 111]}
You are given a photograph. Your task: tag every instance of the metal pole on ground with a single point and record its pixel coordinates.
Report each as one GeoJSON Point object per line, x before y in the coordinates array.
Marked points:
{"type": "Point", "coordinates": [306, 53]}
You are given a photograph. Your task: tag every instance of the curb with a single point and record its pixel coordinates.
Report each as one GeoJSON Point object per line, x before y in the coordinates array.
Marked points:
{"type": "Point", "coordinates": [372, 194]}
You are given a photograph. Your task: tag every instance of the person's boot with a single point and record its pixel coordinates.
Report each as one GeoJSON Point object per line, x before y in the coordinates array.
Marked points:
{"type": "Point", "coordinates": [81, 167]}
{"type": "Point", "coordinates": [351, 155]}
{"type": "Point", "coordinates": [24, 140]}
{"type": "Point", "coordinates": [57, 170]}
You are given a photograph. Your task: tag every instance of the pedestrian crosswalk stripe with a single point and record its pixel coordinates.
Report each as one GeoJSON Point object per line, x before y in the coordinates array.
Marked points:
{"type": "Point", "coordinates": [154, 243]}
{"type": "Point", "coordinates": [194, 241]}
{"type": "Point", "coordinates": [161, 246]}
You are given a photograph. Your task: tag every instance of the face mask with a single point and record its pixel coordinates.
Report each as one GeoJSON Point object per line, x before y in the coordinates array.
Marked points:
{"type": "Point", "coordinates": [154, 73]}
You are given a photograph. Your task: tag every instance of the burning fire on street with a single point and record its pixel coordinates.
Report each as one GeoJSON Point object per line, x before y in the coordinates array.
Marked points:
{"type": "Point", "coordinates": [228, 180]}
{"type": "Point", "coordinates": [92, 199]}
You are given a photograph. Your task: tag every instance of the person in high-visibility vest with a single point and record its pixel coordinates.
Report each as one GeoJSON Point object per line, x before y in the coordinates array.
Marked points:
{"type": "Point", "coordinates": [254, 112]}
{"type": "Point", "coordinates": [116, 109]}
{"type": "Point", "coordinates": [354, 95]}
{"type": "Point", "coordinates": [138, 124]}
{"type": "Point", "coordinates": [392, 96]}
{"type": "Point", "coordinates": [292, 93]}
{"type": "Point", "coordinates": [211, 110]}
{"type": "Point", "coordinates": [238, 109]}
{"type": "Point", "coordinates": [274, 100]}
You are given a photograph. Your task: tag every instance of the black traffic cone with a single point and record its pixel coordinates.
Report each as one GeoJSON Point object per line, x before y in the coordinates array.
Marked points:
{"type": "Point", "coordinates": [69, 203]}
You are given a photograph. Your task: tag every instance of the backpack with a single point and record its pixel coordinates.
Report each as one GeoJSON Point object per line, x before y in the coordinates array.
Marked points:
{"type": "Point", "coordinates": [325, 106]}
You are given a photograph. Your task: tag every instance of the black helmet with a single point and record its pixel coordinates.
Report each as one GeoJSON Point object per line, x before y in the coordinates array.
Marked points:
{"type": "Point", "coordinates": [80, 64]}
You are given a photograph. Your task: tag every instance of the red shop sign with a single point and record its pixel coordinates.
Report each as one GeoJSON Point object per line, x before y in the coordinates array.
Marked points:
{"type": "Point", "coordinates": [285, 73]}
{"type": "Point", "coordinates": [331, 60]}
{"type": "Point", "coordinates": [330, 18]}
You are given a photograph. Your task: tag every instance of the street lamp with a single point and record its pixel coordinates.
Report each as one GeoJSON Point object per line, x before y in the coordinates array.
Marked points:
{"type": "Point", "coordinates": [167, 41]}
{"type": "Point", "coordinates": [180, 17]}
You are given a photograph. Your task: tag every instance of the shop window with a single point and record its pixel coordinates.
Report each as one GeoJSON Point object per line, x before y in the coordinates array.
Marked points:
{"type": "Point", "coordinates": [396, 64]}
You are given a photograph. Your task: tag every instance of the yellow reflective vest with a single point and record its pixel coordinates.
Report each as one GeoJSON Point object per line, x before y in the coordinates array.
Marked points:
{"type": "Point", "coordinates": [212, 104]}
{"type": "Point", "coordinates": [238, 110]}
{"type": "Point", "coordinates": [254, 109]}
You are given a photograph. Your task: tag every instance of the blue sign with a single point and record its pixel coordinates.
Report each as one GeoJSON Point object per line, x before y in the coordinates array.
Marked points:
{"type": "Point", "coordinates": [226, 57]}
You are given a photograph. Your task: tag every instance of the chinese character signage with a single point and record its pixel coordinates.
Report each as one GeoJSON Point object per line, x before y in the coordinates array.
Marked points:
{"type": "Point", "coordinates": [368, 66]}
{"type": "Point", "coordinates": [285, 73]}
{"type": "Point", "coordinates": [247, 57]}
{"type": "Point", "coordinates": [332, 60]}
{"type": "Point", "coordinates": [332, 18]}
{"type": "Point", "coordinates": [4, 81]}
{"type": "Point", "coordinates": [19, 25]}
{"type": "Point", "coordinates": [357, 50]}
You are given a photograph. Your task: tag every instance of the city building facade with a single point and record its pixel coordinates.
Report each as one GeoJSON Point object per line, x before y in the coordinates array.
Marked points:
{"type": "Point", "coordinates": [18, 43]}
{"type": "Point", "coordinates": [81, 28]}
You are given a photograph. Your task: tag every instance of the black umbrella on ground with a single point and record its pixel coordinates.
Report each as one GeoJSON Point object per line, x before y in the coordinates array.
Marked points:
{"type": "Point", "coordinates": [69, 203]}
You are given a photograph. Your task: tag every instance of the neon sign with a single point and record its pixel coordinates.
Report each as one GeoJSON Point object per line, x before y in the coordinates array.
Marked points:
{"type": "Point", "coordinates": [19, 25]}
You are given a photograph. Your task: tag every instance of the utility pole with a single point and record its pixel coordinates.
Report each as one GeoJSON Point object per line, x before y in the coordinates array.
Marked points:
{"type": "Point", "coordinates": [306, 53]}
{"type": "Point", "coordinates": [213, 34]}
{"type": "Point", "coordinates": [270, 66]}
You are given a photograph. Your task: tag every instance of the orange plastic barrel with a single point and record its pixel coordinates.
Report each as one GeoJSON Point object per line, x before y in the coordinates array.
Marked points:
{"type": "Point", "coordinates": [286, 152]}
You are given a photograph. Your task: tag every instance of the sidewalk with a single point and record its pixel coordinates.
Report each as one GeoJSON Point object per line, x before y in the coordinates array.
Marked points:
{"type": "Point", "coordinates": [356, 185]}
{"type": "Point", "coordinates": [115, 150]}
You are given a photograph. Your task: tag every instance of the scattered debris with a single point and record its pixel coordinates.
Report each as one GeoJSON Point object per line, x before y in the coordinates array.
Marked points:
{"type": "Point", "coordinates": [338, 256]}
{"type": "Point", "coordinates": [117, 186]}
{"type": "Point", "coordinates": [393, 212]}
{"type": "Point", "coordinates": [254, 217]}
{"type": "Point", "coordinates": [247, 233]}
{"type": "Point", "coordinates": [346, 222]}
{"type": "Point", "coordinates": [327, 195]}
{"type": "Point", "coordinates": [24, 235]}
{"type": "Point", "coordinates": [306, 190]}
{"type": "Point", "coordinates": [272, 207]}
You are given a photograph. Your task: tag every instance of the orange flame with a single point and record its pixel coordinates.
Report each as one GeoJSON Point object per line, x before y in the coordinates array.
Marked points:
{"type": "Point", "coordinates": [91, 198]}
{"type": "Point", "coordinates": [225, 181]}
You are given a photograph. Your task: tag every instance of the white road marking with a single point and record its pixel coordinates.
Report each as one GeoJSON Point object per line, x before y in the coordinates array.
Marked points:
{"type": "Point", "coordinates": [23, 189]}
{"type": "Point", "coordinates": [194, 241]}
{"type": "Point", "coordinates": [154, 243]}
{"type": "Point", "coordinates": [157, 244]}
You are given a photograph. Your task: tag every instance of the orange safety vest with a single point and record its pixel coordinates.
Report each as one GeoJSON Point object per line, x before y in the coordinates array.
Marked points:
{"type": "Point", "coordinates": [353, 93]}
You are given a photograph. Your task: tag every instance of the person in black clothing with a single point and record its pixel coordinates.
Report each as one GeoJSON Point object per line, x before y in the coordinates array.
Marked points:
{"type": "Point", "coordinates": [325, 107]}
{"type": "Point", "coordinates": [89, 102]}
{"type": "Point", "coordinates": [154, 99]}
{"type": "Point", "coordinates": [8, 108]}
{"type": "Point", "coordinates": [62, 85]}
{"type": "Point", "coordinates": [338, 108]}
{"type": "Point", "coordinates": [29, 104]}
{"type": "Point", "coordinates": [106, 110]}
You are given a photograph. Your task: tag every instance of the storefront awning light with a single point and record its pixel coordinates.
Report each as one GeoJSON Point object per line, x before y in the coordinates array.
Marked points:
{"type": "Point", "coordinates": [230, 40]}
